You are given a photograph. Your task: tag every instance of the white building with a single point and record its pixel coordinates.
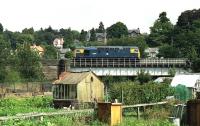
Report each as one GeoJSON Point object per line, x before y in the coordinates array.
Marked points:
{"type": "Point", "coordinates": [58, 43]}
{"type": "Point", "coordinates": [152, 52]}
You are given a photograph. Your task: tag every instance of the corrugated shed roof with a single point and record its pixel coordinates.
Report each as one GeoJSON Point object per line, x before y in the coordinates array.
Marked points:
{"type": "Point", "coordinates": [161, 79]}
{"type": "Point", "coordinates": [187, 80]}
{"type": "Point", "coordinates": [71, 77]}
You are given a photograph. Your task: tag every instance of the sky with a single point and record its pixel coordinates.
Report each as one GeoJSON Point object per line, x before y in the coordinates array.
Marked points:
{"type": "Point", "coordinates": [16, 15]}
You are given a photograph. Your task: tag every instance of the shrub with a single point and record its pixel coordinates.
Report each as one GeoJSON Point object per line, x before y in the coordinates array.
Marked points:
{"type": "Point", "coordinates": [135, 93]}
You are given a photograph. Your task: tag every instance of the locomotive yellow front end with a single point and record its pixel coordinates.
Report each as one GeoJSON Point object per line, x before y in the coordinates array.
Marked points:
{"type": "Point", "coordinates": [135, 52]}
{"type": "Point", "coordinates": [79, 52]}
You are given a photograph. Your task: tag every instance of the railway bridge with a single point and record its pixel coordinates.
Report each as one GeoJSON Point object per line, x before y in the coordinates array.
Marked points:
{"type": "Point", "coordinates": [128, 66]}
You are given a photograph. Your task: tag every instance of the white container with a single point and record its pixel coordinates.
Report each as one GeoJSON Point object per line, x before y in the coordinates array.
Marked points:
{"type": "Point", "coordinates": [176, 121]}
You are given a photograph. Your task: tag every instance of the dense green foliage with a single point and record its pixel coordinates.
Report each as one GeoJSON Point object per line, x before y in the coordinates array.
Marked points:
{"type": "Point", "coordinates": [50, 52]}
{"type": "Point", "coordinates": [135, 93]}
{"type": "Point", "coordinates": [101, 28]}
{"type": "Point", "coordinates": [29, 65]}
{"type": "Point", "coordinates": [160, 31]}
{"type": "Point", "coordinates": [1, 28]}
{"type": "Point", "coordinates": [117, 30]}
{"type": "Point", "coordinates": [69, 55]}
{"type": "Point", "coordinates": [143, 77]}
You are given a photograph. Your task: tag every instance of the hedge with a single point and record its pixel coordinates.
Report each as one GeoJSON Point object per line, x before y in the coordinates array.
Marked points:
{"type": "Point", "coordinates": [135, 93]}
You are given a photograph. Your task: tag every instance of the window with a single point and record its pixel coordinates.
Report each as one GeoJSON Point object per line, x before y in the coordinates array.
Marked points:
{"type": "Point", "coordinates": [63, 91]}
{"type": "Point", "coordinates": [87, 52]}
{"type": "Point", "coordinates": [91, 79]}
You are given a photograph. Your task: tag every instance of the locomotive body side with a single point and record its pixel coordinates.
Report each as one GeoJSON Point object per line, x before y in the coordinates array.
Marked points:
{"type": "Point", "coordinates": [108, 52]}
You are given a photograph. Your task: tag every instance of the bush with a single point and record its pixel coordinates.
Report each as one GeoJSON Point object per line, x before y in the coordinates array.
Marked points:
{"type": "Point", "coordinates": [135, 93]}
{"type": "Point", "coordinates": [143, 77]}
{"type": "Point", "coordinates": [69, 55]}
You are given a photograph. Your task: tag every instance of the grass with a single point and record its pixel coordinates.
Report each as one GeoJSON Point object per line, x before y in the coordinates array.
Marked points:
{"type": "Point", "coordinates": [13, 106]}
{"type": "Point", "coordinates": [129, 121]}
{"type": "Point", "coordinates": [80, 121]}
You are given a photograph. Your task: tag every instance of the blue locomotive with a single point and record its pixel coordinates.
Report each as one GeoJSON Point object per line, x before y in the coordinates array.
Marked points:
{"type": "Point", "coordinates": [108, 52]}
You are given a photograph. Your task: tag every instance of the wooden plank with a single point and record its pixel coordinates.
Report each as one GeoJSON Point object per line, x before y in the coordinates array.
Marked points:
{"type": "Point", "coordinates": [140, 105]}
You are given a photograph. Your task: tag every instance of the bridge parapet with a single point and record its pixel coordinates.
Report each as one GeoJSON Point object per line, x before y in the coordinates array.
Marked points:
{"type": "Point", "coordinates": [127, 63]}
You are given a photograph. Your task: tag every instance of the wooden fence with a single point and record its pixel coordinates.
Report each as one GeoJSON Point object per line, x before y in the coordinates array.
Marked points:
{"type": "Point", "coordinates": [41, 115]}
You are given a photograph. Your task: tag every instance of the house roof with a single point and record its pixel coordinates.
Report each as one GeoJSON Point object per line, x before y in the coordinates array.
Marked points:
{"type": "Point", "coordinates": [137, 31]}
{"type": "Point", "coordinates": [189, 80]}
{"type": "Point", "coordinates": [71, 77]}
{"type": "Point", "coordinates": [38, 48]}
{"type": "Point", "coordinates": [103, 35]}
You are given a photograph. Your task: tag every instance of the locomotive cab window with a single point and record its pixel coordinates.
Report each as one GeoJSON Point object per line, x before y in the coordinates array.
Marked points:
{"type": "Point", "coordinates": [87, 52]}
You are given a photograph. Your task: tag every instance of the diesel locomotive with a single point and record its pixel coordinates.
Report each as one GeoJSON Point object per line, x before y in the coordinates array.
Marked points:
{"type": "Point", "coordinates": [108, 52]}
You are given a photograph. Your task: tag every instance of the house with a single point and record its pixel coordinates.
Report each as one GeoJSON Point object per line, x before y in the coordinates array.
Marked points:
{"type": "Point", "coordinates": [38, 49]}
{"type": "Point", "coordinates": [134, 32]}
{"type": "Point", "coordinates": [58, 43]}
{"type": "Point", "coordinates": [88, 35]}
{"type": "Point", "coordinates": [152, 52]}
{"type": "Point", "coordinates": [77, 87]}
{"type": "Point", "coordinates": [101, 37]}
{"type": "Point", "coordinates": [191, 81]}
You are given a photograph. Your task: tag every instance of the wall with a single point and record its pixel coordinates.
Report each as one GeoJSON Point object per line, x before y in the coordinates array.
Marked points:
{"type": "Point", "coordinates": [87, 90]}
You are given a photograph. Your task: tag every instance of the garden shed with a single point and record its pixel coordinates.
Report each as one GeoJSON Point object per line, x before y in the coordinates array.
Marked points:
{"type": "Point", "coordinates": [77, 87]}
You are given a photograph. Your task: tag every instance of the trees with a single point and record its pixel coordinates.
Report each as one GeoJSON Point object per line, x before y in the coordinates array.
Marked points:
{"type": "Point", "coordinates": [4, 53]}
{"type": "Point", "coordinates": [168, 51]}
{"type": "Point", "coordinates": [186, 19]}
{"type": "Point", "coordinates": [50, 52]}
{"type": "Point", "coordinates": [12, 77]}
{"type": "Point", "coordinates": [1, 28]}
{"type": "Point", "coordinates": [117, 30]}
{"type": "Point", "coordinates": [83, 35]}
{"type": "Point", "coordinates": [101, 28]}
{"type": "Point", "coordinates": [69, 55]}
{"type": "Point", "coordinates": [28, 31]}
{"type": "Point", "coordinates": [160, 32]}
{"type": "Point", "coordinates": [93, 35]}
{"type": "Point", "coordinates": [195, 65]}
{"type": "Point", "coordinates": [29, 65]}
{"type": "Point", "coordinates": [143, 77]}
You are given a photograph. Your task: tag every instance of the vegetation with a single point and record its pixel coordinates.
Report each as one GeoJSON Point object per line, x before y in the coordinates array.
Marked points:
{"type": "Point", "coordinates": [69, 55]}
{"type": "Point", "coordinates": [117, 30]}
{"type": "Point", "coordinates": [16, 106]}
{"type": "Point", "coordinates": [13, 106]}
{"type": "Point", "coordinates": [75, 120]}
{"type": "Point", "coordinates": [143, 77]}
{"type": "Point", "coordinates": [50, 52]}
{"type": "Point", "coordinates": [160, 31]}
{"type": "Point", "coordinates": [134, 93]}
